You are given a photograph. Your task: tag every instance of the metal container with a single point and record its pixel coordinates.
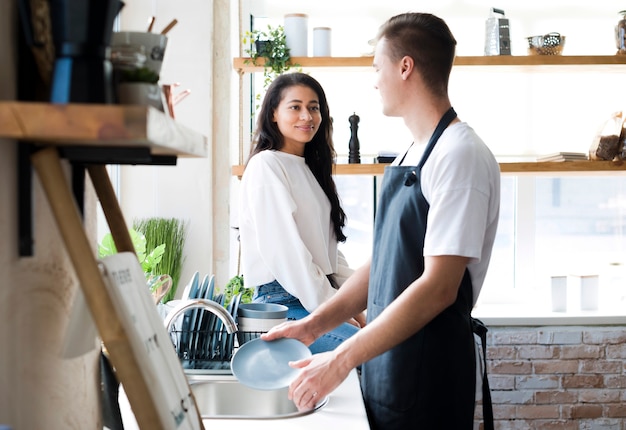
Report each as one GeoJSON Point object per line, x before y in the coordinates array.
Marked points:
{"type": "Point", "coordinates": [497, 36]}
{"type": "Point", "coordinates": [620, 33]}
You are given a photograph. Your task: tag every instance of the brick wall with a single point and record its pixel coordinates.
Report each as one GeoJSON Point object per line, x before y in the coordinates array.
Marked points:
{"type": "Point", "coordinates": [557, 377]}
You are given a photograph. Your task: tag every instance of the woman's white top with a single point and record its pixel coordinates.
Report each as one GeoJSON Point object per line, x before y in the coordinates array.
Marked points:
{"type": "Point", "coordinates": [285, 229]}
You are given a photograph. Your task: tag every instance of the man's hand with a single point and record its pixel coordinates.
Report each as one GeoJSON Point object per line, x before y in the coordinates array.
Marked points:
{"type": "Point", "coordinates": [292, 329]}
{"type": "Point", "coordinates": [320, 375]}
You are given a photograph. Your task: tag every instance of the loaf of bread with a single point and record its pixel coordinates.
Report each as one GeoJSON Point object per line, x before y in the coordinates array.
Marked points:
{"type": "Point", "coordinates": [606, 144]}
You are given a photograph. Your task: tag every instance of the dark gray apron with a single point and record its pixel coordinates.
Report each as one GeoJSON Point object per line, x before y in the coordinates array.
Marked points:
{"type": "Point", "coordinates": [428, 381]}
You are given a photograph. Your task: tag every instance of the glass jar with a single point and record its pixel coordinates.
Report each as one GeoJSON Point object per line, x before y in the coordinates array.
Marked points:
{"type": "Point", "coordinates": [620, 34]}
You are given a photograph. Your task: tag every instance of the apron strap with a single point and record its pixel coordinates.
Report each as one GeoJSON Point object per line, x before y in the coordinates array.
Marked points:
{"type": "Point", "coordinates": [481, 330]}
{"type": "Point", "coordinates": [444, 122]}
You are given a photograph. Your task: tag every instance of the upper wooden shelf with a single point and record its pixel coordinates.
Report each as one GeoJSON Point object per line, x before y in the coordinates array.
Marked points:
{"type": "Point", "coordinates": [245, 64]}
{"type": "Point", "coordinates": [565, 168]}
{"type": "Point", "coordinates": [99, 125]}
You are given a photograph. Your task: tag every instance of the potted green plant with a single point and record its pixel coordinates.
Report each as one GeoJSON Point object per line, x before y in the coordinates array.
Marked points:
{"type": "Point", "coordinates": [271, 46]}
{"type": "Point", "coordinates": [172, 233]}
{"type": "Point", "coordinates": [148, 260]}
{"type": "Point", "coordinates": [235, 286]}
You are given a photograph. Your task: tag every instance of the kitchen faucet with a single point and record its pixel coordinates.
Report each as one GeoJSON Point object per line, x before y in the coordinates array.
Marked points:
{"type": "Point", "coordinates": [209, 305]}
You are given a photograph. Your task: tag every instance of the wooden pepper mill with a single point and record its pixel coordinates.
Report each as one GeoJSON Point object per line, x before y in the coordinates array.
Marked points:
{"type": "Point", "coordinates": [354, 146]}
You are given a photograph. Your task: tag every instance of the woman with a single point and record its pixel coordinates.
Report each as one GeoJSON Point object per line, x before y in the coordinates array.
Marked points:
{"type": "Point", "coordinates": [289, 211]}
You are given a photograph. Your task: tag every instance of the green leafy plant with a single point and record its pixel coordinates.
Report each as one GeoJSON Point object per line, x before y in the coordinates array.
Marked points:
{"type": "Point", "coordinates": [142, 74]}
{"type": "Point", "coordinates": [271, 46]}
{"type": "Point", "coordinates": [234, 287]}
{"type": "Point", "coordinates": [172, 233]}
{"type": "Point", "coordinates": [148, 261]}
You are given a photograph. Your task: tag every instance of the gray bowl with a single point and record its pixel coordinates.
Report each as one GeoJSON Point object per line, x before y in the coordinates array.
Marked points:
{"type": "Point", "coordinates": [262, 310]}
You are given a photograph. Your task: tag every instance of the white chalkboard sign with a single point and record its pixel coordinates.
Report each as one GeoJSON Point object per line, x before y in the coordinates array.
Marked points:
{"type": "Point", "coordinates": [150, 342]}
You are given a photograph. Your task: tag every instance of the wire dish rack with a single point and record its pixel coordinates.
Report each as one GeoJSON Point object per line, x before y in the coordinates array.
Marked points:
{"type": "Point", "coordinates": [199, 337]}
{"type": "Point", "coordinates": [204, 349]}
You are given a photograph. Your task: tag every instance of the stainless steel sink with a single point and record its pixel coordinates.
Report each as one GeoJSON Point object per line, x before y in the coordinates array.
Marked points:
{"type": "Point", "coordinates": [223, 397]}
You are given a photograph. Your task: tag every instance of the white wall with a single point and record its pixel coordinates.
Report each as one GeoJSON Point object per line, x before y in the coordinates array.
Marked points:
{"type": "Point", "coordinates": [188, 190]}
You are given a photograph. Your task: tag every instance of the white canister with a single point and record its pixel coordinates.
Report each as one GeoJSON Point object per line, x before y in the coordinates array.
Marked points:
{"type": "Point", "coordinates": [589, 292]}
{"type": "Point", "coordinates": [559, 293]}
{"type": "Point", "coordinates": [296, 33]}
{"type": "Point", "coordinates": [321, 41]}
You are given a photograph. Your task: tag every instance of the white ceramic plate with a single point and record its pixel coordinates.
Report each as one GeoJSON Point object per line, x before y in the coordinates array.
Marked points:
{"type": "Point", "coordinates": [265, 365]}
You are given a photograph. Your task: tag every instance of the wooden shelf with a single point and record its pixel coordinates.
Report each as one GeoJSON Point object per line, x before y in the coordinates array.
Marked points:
{"type": "Point", "coordinates": [527, 62]}
{"type": "Point", "coordinates": [96, 125]}
{"type": "Point", "coordinates": [566, 168]}
{"type": "Point", "coordinates": [245, 64]}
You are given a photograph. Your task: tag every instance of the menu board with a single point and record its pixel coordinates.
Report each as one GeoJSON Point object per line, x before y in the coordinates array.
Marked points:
{"type": "Point", "coordinates": [150, 342]}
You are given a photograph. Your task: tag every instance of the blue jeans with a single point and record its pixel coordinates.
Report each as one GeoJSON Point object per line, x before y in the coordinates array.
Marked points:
{"type": "Point", "coordinates": [273, 292]}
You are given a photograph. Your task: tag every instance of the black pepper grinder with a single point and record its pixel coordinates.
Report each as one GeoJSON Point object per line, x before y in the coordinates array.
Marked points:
{"type": "Point", "coordinates": [354, 157]}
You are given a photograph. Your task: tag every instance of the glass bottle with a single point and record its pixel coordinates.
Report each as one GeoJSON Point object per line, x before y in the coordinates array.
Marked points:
{"type": "Point", "coordinates": [620, 33]}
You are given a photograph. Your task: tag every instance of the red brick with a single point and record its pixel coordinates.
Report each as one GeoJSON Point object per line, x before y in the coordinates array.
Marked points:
{"type": "Point", "coordinates": [616, 351]}
{"type": "Point", "coordinates": [503, 412]}
{"type": "Point", "coordinates": [537, 382]}
{"type": "Point", "coordinates": [601, 366]}
{"type": "Point", "coordinates": [607, 337]}
{"type": "Point", "coordinates": [567, 411]}
{"type": "Point", "coordinates": [538, 351]}
{"type": "Point", "coordinates": [616, 411]}
{"type": "Point", "coordinates": [515, 397]}
{"type": "Point", "coordinates": [501, 352]}
{"type": "Point", "coordinates": [560, 336]}
{"type": "Point", "coordinates": [512, 425]}
{"type": "Point", "coordinates": [555, 397]}
{"type": "Point", "coordinates": [555, 425]}
{"type": "Point", "coordinates": [501, 382]}
{"type": "Point", "coordinates": [615, 381]}
{"type": "Point", "coordinates": [582, 351]}
{"type": "Point", "coordinates": [478, 412]}
{"type": "Point", "coordinates": [513, 337]}
{"type": "Point", "coordinates": [507, 367]}
{"type": "Point", "coordinates": [537, 411]}
{"type": "Point", "coordinates": [557, 367]}
{"type": "Point", "coordinates": [587, 411]}
{"type": "Point", "coordinates": [599, 396]}
{"type": "Point", "coordinates": [582, 381]}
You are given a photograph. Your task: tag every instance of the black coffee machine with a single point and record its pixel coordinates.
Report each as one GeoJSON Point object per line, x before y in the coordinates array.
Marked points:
{"type": "Point", "coordinates": [81, 30]}
{"type": "Point", "coordinates": [81, 33]}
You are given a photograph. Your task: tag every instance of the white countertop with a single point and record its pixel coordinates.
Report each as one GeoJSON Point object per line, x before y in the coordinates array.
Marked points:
{"type": "Point", "coordinates": [345, 409]}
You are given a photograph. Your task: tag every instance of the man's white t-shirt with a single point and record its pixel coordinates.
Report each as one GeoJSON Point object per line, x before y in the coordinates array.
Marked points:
{"type": "Point", "coordinates": [461, 183]}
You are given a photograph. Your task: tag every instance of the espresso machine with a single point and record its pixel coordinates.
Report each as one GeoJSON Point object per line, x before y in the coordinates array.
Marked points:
{"type": "Point", "coordinates": [81, 31]}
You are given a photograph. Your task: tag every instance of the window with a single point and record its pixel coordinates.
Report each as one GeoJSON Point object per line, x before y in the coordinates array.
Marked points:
{"type": "Point", "coordinates": [548, 225]}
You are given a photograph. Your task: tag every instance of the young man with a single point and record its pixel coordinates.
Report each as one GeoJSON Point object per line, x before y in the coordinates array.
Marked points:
{"type": "Point", "coordinates": [434, 231]}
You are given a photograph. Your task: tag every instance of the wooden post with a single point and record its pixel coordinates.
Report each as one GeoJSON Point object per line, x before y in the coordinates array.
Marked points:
{"type": "Point", "coordinates": [48, 166]}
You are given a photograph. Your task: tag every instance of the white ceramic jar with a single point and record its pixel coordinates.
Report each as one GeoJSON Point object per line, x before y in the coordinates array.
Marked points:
{"type": "Point", "coordinates": [296, 33]}
{"type": "Point", "coordinates": [321, 41]}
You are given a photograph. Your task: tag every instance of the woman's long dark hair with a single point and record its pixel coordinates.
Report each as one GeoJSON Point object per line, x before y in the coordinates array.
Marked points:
{"type": "Point", "coordinates": [319, 153]}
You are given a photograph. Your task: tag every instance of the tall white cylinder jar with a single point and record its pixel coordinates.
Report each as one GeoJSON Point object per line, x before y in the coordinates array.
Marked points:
{"type": "Point", "coordinates": [321, 41]}
{"type": "Point", "coordinates": [296, 33]}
